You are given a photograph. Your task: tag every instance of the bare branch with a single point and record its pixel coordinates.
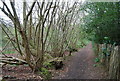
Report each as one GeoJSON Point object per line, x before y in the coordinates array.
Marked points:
{"type": "Point", "coordinates": [8, 36]}
{"type": "Point", "coordinates": [30, 10]}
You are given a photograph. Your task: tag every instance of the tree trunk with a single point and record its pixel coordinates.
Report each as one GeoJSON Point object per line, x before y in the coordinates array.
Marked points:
{"type": "Point", "coordinates": [114, 68]}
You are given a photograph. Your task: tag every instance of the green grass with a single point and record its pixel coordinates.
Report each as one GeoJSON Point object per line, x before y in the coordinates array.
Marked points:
{"type": "Point", "coordinates": [9, 52]}
{"type": "Point", "coordinates": [0, 44]}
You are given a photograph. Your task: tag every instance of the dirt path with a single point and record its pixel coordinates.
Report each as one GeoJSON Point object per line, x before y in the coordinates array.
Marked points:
{"type": "Point", "coordinates": [80, 66]}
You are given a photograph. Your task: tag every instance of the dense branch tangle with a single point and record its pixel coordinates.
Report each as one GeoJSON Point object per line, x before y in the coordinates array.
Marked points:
{"type": "Point", "coordinates": [45, 28]}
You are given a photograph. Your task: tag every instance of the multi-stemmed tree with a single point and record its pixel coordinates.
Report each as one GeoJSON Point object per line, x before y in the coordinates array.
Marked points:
{"type": "Point", "coordinates": [45, 26]}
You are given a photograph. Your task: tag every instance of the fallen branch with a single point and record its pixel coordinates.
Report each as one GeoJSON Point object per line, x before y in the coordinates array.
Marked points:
{"type": "Point", "coordinates": [9, 62]}
{"type": "Point", "coordinates": [12, 60]}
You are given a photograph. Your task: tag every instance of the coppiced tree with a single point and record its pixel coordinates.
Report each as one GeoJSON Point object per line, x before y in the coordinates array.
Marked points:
{"type": "Point", "coordinates": [45, 26]}
{"type": "Point", "coordinates": [33, 37]}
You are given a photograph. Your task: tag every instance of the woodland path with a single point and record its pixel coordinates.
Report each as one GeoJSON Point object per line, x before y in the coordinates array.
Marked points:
{"type": "Point", "coordinates": [80, 66]}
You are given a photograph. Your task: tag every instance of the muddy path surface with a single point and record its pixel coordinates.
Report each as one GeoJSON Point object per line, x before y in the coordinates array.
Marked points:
{"type": "Point", "coordinates": [80, 66]}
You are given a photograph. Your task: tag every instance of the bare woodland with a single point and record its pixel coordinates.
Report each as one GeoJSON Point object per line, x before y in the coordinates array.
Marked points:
{"type": "Point", "coordinates": [40, 32]}
{"type": "Point", "coordinates": [45, 29]}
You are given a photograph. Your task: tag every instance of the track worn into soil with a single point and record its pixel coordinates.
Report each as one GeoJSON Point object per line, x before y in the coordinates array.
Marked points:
{"type": "Point", "coordinates": [80, 66]}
